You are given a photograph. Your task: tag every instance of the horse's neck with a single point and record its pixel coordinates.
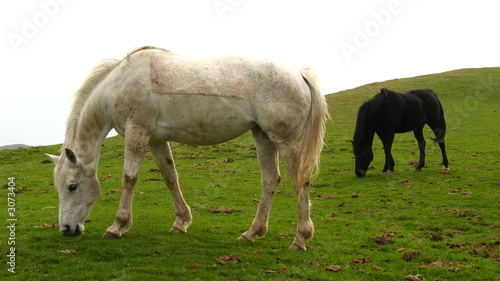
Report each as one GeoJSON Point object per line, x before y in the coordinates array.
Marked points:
{"type": "Point", "coordinates": [364, 136]}
{"type": "Point", "coordinates": [365, 129]}
{"type": "Point", "coordinates": [369, 135]}
{"type": "Point", "coordinates": [91, 131]}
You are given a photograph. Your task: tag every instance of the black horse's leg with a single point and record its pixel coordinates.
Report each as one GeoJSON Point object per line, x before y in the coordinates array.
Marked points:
{"type": "Point", "coordinates": [445, 158]}
{"type": "Point", "coordinates": [439, 133]}
{"type": "Point", "coordinates": [387, 138]}
{"type": "Point", "coordinates": [421, 146]}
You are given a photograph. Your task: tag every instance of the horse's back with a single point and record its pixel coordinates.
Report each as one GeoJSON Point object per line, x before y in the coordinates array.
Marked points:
{"type": "Point", "coordinates": [427, 97]}
{"type": "Point", "coordinates": [208, 100]}
{"type": "Point", "coordinates": [421, 107]}
{"type": "Point", "coordinates": [429, 102]}
{"type": "Point", "coordinates": [225, 77]}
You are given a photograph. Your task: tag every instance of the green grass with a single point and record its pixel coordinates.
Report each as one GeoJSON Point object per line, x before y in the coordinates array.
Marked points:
{"type": "Point", "coordinates": [450, 222]}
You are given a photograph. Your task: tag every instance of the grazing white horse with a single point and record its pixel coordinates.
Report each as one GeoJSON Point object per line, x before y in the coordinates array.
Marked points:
{"type": "Point", "coordinates": [153, 96]}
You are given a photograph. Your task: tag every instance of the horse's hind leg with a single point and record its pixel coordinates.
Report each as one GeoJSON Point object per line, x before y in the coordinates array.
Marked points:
{"type": "Point", "coordinates": [163, 156]}
{"type": "Point", "coordinates": [136, 143]}
{"type": "Point", "coordinates": [445, 158]}
{"type": "Point", "coordinates": [440, 133]}
{"type": "Point", "coordinates": [268, 161]}
{"type": "Point", "coordinates": [421, 146]}
{"type": "Point", "coordinates": [305, 227]}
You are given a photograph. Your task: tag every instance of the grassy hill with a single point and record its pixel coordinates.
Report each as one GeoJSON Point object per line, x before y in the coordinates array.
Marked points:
{"type": "Point", "coordinates": [13, 146]}
{"type": "Point", "coordinates": [443, 226]}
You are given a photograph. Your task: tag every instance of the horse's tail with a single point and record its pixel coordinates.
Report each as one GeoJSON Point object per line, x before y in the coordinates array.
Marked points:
{"type": "Point", "coordinates": [311, 139]}
{"type": "Point", "coordinates": [440, 128]}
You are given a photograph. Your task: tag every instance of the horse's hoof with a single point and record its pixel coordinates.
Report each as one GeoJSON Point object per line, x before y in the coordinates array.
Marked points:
{"type": "Point", "coordinates": [109, 235]}
{"type": "Point", "coordinates": [445, 170]}
{"type": "Point", "coordinates": [296, 247]}
{"type": "Point", "coordinates": [243, 237]}
{"type": "Point", "coordinates": [418, 170]}
{"type": "Point", "coordinates": [388, 172]}
{"type": "Point", "coordinates": [177, 230]}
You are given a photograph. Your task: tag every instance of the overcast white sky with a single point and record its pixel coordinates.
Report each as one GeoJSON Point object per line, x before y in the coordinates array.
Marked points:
{"type": "Point", "coordinates": [47, 47]}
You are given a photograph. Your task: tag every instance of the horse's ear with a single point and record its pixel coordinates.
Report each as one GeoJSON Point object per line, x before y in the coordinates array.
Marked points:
{"type": "Point", "coordinates": [385, 92]}
{"type": "Point", "coordinates": [53, 157]}
{"type": "Point", "coordinates": [70, 155]}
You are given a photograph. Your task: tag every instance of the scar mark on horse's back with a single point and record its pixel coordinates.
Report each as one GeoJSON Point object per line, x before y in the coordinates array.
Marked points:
{"type": "Point", "coordinates": [171, 74]}
{"type": "Point", "coordinates": [155, 74]}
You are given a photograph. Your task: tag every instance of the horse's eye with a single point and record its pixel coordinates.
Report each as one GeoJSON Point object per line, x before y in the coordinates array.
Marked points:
{"type": "Point", "coordinates": [72, 187]}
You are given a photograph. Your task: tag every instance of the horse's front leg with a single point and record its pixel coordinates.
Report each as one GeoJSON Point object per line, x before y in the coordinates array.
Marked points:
{"type": "Point", "coordinates": [136, 143]}
{"type": "Point", "coordinates": [267, 154]}
{"type": "Point", "coordinates": [163, 157]}
{"type": "Point", "coordinates": [387, 140]}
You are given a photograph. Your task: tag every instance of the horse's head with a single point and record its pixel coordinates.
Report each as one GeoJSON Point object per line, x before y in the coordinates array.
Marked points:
{"type": "Point", "coordinates": [363, 138]}
{"type": "Point", "coordinates": [78, 189]}
{"type": "Point", "coordinates": [363, 155]}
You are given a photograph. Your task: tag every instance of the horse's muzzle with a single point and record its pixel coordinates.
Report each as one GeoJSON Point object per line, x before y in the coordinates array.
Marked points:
{"type": "Point", "coordinates": [360, 173]}
{"type": "Point", "coordinates": [68, 232]}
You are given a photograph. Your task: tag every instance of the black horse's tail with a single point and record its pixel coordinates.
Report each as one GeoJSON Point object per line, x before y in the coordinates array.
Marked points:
{"type": "Point", "coordinates": [440, 129]}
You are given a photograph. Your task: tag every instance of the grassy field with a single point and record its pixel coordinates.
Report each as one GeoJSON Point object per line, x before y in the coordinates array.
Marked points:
{"type": "Point", "coordinates": [432, 225]}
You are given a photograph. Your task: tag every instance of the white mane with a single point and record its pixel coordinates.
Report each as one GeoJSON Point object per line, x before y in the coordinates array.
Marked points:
{"type": "Point", "coordinates": [81, 96]}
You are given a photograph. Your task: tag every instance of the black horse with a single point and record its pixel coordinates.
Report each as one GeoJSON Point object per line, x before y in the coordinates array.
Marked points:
{"type": "Point", "coordinates": [389, 113]}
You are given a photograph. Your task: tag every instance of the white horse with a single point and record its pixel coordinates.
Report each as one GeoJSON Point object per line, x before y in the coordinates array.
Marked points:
{"type": "Point", "coordinates": [153, 96]}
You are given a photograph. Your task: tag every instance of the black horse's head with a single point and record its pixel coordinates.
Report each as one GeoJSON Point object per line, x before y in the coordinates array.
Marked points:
{"type": "Point", "coordinates": [366, 123]}
{"type": "Point", "coordinates": [363, 137]}
{"type": "Point", "coordinates": [363, 155]}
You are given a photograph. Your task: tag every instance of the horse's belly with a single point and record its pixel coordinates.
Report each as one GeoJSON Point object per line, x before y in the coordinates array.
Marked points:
{"type": "Point", "coordinates": [201, 120]}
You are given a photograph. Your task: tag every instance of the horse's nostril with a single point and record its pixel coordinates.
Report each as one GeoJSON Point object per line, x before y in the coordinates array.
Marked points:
{"type": "Point", "coordinates": [67, 230]}
{"type": "Point", "coordinates": [78, 230]}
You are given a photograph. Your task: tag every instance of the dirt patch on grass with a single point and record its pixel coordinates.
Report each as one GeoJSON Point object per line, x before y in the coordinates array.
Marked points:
{"type": "Point", "coordinates": [224, 209]}
{"type": "Point", "coordinates": [452, 266]}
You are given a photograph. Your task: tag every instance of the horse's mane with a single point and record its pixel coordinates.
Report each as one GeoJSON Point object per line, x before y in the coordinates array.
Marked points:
{"type": "Point", "coordinates": [81, 96]}
{"type": "Point", "coordinates": [145, 48]}
{"type": "Point", "coordinates": [90, 83]}
{"type": "Point", "coordinates": [359, 133]}
{"type": "Point", "coordinates": [368, 108]}
{"type": "Point", "coordinates": [380, 99]}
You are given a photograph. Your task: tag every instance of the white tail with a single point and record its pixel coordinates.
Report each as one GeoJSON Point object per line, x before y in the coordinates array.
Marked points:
{"type": "Point", "coordinates": [311, 139]}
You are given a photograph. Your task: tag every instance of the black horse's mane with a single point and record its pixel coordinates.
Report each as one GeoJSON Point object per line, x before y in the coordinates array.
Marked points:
{"type": "Point", "coordinates": [379, 100]}
{"type": "Point", "coordinates": [372, 105]}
